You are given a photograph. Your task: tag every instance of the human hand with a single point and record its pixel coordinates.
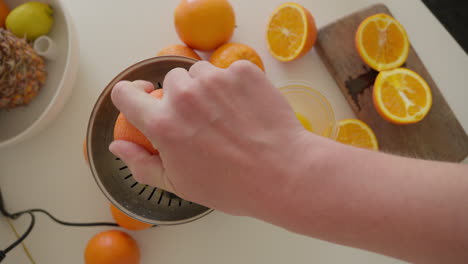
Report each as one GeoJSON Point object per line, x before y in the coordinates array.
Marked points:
{"type": "Point", "coordinates": [226, 137]}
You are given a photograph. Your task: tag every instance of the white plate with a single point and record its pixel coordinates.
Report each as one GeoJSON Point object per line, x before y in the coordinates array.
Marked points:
{"type": "Point", "coordinates": [21, 123]}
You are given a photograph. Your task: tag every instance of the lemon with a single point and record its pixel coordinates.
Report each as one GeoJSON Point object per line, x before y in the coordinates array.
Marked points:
{"type": "Point", "coordinates": [30, 20]}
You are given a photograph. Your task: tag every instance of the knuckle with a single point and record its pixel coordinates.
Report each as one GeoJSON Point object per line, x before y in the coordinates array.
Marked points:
{"type": "Point", "coordinates": [242, 67]}
{"type": "Point", "coordinates": [215, 77]}
{"type": "Point", "coordinates": [159, 125]}
{"type": "Point", "coordinates": [186, 96]}
{"type": "Point", "coordinates": [172, 76]}
{"type": "Point", "coordinates": [199, 64]}
{"type": "Point", "coordinates": [177, 71]}
{"type": "Point", "coordinates": [211, 80]}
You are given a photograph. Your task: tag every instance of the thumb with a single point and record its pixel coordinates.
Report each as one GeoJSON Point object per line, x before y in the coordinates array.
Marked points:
{"type": "Point", "coordinates": [145, 167]}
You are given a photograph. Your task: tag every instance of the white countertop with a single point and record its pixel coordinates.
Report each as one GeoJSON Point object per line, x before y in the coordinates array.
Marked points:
{"type": "Point", "coordinates": [48, 170]}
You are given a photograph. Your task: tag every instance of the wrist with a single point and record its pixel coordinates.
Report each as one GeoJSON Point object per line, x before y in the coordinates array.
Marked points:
{"type": "Point", "coordinates": [301, 171]}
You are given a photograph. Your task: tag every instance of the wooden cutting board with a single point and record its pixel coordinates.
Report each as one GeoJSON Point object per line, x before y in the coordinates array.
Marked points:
{"type": "Point", "coordinates": [438, 137]}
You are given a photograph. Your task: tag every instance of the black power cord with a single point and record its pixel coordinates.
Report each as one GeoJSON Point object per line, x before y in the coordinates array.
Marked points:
{"type": "Point", "coordinates": [19, 240]}
{"type": "Point", "coordinates": [31, 212]}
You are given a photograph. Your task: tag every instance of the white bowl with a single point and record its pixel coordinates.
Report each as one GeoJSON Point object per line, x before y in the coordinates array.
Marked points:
{"type": "Point", "coordinates": [23, 122]}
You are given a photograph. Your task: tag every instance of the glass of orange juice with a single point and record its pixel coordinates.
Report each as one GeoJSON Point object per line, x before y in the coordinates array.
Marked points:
{"type": "Point", "coordinates": [312, 108]}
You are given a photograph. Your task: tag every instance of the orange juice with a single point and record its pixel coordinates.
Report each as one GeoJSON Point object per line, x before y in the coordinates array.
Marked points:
{"type": "Point", "coordinates": [312, 108]}
{"type": "Point", "coordinates": [305, 123]}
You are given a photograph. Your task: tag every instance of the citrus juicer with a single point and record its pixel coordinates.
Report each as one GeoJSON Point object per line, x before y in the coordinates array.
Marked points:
{"type": "Point", "coordinates": [145, 203]}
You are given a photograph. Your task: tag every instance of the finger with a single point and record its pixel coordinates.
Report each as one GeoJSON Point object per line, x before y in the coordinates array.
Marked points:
{"type": "Point", "coordinates": [201, 67]}
{"type": "Point", "coordinates": [147, 86]}
{"type": "Point", "coordinates": [145, 167]}
{"type": "Point", "coordinates": [245, 67]}
{"type": "Point", "coordinates": [134, 102]}
{"type": "Point", "coordinates": [175, 79]}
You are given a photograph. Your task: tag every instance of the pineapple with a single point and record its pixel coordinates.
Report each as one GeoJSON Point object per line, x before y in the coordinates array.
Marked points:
{"type": "Point", "coordinates": [22, 71]}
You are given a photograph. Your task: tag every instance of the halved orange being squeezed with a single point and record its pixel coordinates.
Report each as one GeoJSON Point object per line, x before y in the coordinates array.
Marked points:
{"type": "Point", "coordinates": [401, 96]}
{"type": "Point", "coordinates": [291, 32]}
{"type": "Point", "coordinates": [382, 42]}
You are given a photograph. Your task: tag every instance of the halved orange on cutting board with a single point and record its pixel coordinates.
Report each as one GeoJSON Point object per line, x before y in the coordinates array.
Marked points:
{"type": "Point", "coordinates": [291, 32]}
{"type": "Point", "coordinates": [356, 133]}
{"type": "Point", "coordinates": [382, 42]}
{"type": "Point", "coordinates": [401, 96]}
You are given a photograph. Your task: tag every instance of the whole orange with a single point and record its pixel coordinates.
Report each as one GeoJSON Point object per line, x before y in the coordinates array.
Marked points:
{"type": "Point", "coordinates": [204, 24]}
{"type": "Point", "coordinates": [124, 130]}
{"type": "Point", "coordinates": [4, 11]}
{"type": "Point", "coordinates": [179, 50]}
{"type": "Point", "coordinates": [112, 247]}
{"type": "Point", "coordinates": [126, 221]}
{"type": "Point", "coordinates": [228, 53]}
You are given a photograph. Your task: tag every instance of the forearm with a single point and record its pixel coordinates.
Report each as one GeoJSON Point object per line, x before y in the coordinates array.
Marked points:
{"type": "Point", "coordinates": [406, 208]}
